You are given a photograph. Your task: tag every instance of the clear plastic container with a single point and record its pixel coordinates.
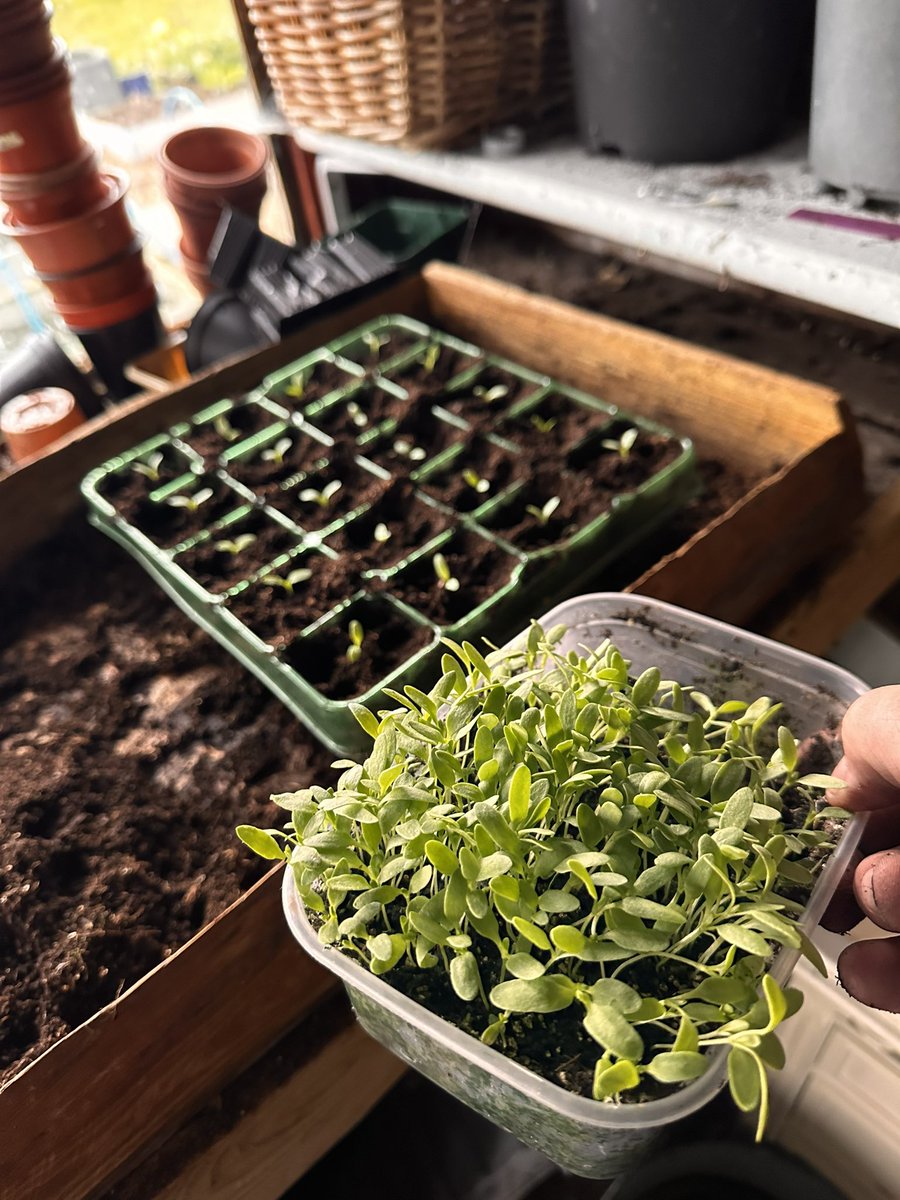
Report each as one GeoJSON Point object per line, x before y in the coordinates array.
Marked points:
{"type": "Point", "coordinates": [593, 1139]}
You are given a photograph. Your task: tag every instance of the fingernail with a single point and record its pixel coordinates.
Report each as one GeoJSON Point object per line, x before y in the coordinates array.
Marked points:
{"type": "Point", "coordinates": [865, 886]}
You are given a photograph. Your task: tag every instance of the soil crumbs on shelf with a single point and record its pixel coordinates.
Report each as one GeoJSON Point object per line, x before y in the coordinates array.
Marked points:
{"type": "Point", "coordinates": [131, 747]}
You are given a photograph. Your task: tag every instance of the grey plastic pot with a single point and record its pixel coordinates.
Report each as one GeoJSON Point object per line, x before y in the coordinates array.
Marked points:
{"type": "Point", "coordinates": [684, 80]}
{"type": "Point", "coordinates": [854, 132]}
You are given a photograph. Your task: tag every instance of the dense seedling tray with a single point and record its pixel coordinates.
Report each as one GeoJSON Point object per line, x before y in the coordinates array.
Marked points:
{"type": "Point", "coordinates": [393, 488]}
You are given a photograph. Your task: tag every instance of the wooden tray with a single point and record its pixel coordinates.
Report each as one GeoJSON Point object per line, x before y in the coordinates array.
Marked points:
{"type": "Point", "coordinates": [84, 1112]}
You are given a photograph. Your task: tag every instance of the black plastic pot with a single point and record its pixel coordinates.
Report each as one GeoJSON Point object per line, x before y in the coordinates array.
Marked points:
{"type": "Point", "coordinates": [724, 1171]}
{"type": "Point", "coordinates": [224, 326]}
{"type": "Point", "coordinates": [111, 348]}
{"type": "Point", "coordinates": [40, 362]}
{"type": "Point", "coordinates": [685, 80]}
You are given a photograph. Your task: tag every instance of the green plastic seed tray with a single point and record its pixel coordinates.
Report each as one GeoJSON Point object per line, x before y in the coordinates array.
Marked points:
{"type": "Point", "coordinates": [244, 512]}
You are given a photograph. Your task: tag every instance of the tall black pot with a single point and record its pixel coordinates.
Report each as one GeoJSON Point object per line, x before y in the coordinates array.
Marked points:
{"type": "Point", "coordinates": [685, 80]}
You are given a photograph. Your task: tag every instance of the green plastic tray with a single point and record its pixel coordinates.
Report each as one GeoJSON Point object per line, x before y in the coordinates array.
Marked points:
{"type": "Point", "coordinates": [536, 578]}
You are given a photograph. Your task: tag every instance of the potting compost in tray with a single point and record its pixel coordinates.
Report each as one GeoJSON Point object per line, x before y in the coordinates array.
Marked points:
{"type": "Point", "coordinates": [392, 488]}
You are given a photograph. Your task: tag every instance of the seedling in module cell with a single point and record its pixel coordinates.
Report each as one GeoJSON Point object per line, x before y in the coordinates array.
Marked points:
{"type": "Point", "coordinates": [235, 546]}
{"type": "Point", "coordinates": [356, 415]}
{"type": "Point", "coordinates": [150, 466]}
{"type": "Point", "coordinates": [225, 429]}
{"type": "Point", "coordinates": [405, 449]}
{"type": "Point", "coordinates": [381, 534]}
{"type": "Point", "coordinates": [429, 359]}
{"type": "Point", "coordinates": [445, 577]}
{"type": "Point", "coordinates": [543, 424]}
{"type": "Point", "coordinates": [355, 636]}
{"type": "Point", "coordinates": [275, 454]}
{"type": "Point", "coordinates": [544, 512]}
{"type": "Point", "coordinates": [375, 343]}
{"type": "Point", "coordinates": [492, 394]}
{"type": "Point", "coordinates": [190, 501]}
{"type": "Point", "coordinates": [622, 445]}
{"type": "Point", "coordinates": [324, 497]}
{"type": "Point", "coordinates": [475, 481]}
{"type": "Point", "coordinates": [288, 582]}
{"type": "Point", "coordinates": [297, 385]}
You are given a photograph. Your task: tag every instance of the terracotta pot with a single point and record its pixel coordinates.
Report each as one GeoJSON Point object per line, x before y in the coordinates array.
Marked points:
{"type": "Point", "coordinates": [198, 273]}
{"type": "Point", "coordinates": [198, 232]}
{"type": "Point", "coordinates": [213, 157]}
{"type": "Point", "coordinates": [86, 317]}
{"type": "Point", "coordinates": [33, 421]}
{"type": "Point", "coordinates": [38, 132]}
{"type": "Point", "coordinates": [80, 243]}
{"type": "Point", "coordinates": [25, 38]}
{"type": "Point", "coordinates": [121, 277]}
{"type": "Point", "coordinates": [247, 196]}
{"type": "Point", "coordinates": [55, 195]}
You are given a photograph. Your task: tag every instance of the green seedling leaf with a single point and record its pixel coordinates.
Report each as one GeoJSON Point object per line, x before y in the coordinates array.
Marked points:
{"type": "Point", "coordinates": [260, 841]}
{"type": "Point", "coordinates": [831, 782]}
{"type": "Point", "coordinates": [441, 857]}
{"type": "Point", "coordinates": [548, 994]}
{"type": "Point", "coordinates": [788, 747]}
{"type": "Point", "coordinates": [523, 966]}
{"type": "Point", "coordinates": [677, 1066]}
{"type": "Point", "coordinates": [613, 1032]}
{"type": "Point", "coordinates": [610, 1081]}
{"type": "Point", "coordinates": [745, 939]}
{"type": "Point", "coordinates": [464, 976]}
{"type": "Point", "coordinates": [519, 794]}
{"type": "Point", "coordinates": [381, 534]}
{"type": "Point", "coordinates": [743, 1079]}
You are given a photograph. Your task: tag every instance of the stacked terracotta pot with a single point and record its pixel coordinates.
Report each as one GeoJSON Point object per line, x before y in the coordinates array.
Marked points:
{"type": "Point", "coordinates": [204, 169]}
{"type": "Point", "coordinates": [67, 215]}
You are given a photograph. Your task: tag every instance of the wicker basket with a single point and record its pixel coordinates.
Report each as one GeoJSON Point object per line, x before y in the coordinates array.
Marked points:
{"type": "Point", "coordinates": [419, 72]}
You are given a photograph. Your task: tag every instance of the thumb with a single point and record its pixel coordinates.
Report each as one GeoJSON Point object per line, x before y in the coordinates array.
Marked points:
{"type": "Point", "coordinates": [870, 733]}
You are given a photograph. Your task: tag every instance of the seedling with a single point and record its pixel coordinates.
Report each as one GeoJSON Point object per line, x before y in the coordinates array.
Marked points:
{"type": "Point", "coordinates": [429, 359]}
{"type": "Point", "coordinates": [191, 501]}
{"type": "Point", "coordinates": [323, 498]}
{"type": "Point", "coordinates": [297, 384]}
{"type": "Point", "coordinates": [288, 582]}
{"type": "Point", "coordinates": [225, 429]}
{"type": "Point", "coordinates": [407, 450]}
{"type": "Point", "coordinates": [374, 343]}
{"type": "Point", "coordinates": [445, 577]}
{"type": "Point", "coordinates": [585, 857]}
{"type": "Point", "coordinates": [382, 534]}
{"type": "Point", "coordinates": [622, 445]}
{"type": "Point", "coordinates": [543, 513]}
{"type": "Point", "coordinates": [492, 394]}
{"type": "Point", "coordinates": [473, 480]}
{"type": "Point", "coordinates": [237, 545]}
{"type": "Point", "coordinates": [356, 415]}
{"type": "Point", "coordinates": [355, 635]}
{"type": "Point", "coordinates": [275, 454]}
{"type": "Point", "coordinates": [150, 467]}
{"type": "Point", "coordinates": [543, 424]}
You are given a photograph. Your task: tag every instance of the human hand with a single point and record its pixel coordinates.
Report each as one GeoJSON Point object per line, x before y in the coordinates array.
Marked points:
{"type": "Point", "coordinates": [870, 733]}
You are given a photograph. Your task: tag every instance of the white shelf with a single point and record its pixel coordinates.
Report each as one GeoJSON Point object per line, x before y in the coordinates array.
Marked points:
{"type": "Point", "coordinates": [727, 222]}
